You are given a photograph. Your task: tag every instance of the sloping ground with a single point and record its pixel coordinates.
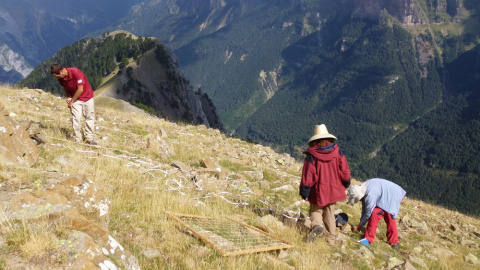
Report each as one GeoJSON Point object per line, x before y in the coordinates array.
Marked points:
{"type": "Point", "coordinates": [105, 91]}
{"type": "Point", "coordinates": [147, 166]}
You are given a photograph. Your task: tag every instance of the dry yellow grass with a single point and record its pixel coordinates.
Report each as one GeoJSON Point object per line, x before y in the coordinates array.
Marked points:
{"type": "Point", "coordinates": [142, 185]}
{"type": "Point", "coordinates": [39, 243]}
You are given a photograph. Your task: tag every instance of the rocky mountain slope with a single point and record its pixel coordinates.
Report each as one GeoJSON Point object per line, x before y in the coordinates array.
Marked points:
{"type": "Point", "coordinates": [75, 206]}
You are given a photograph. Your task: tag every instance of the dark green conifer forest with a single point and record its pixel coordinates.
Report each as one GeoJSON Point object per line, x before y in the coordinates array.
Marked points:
{"type": "Point", "coordinates": [436, 158]}
{"type": "Point", "coordinates": [367, 92]}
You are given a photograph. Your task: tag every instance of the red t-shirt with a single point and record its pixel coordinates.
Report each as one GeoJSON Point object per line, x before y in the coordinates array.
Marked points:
{"type": "Point", "coordinates": [73, 80]}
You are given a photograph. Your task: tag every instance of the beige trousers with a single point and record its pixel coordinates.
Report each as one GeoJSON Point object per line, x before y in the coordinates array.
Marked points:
{"type": "Point", "coordinates": [324, 216]}
{"type": "Point", "coordinates": [86, 109]}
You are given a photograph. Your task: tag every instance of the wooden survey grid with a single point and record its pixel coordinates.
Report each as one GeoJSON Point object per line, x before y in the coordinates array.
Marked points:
{"type": "Point", "coordinates": [229, 236]}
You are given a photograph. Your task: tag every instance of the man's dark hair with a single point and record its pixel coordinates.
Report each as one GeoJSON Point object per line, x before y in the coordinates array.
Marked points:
{"type": "Point", "coordinates": [55, 68]}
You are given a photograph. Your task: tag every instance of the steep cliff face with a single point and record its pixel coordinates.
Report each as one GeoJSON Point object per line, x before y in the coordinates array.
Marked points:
{"type": "Point", "coordinates": [155, 81]}
{"type": "Point", "coordinates": [410, 12]}
{"type": "Point", "coordinates": [13, 65]}
{"type": "Point", "coordinates": [405, 11]}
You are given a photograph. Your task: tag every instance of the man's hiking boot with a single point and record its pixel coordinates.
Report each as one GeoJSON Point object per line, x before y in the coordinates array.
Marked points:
{"type": "Point", "coordinates": [395, 246]}
{"type": "Point", "coordinates": [314, 233]}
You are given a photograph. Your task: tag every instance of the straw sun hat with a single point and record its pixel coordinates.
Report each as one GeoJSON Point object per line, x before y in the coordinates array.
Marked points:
{"type": "Point", "coordinates": [321, 132]}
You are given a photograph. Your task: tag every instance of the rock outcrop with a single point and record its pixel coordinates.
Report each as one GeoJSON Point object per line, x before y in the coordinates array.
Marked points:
{"type": "Point", "coordinates": [16, 147]}
{"type": "Point", "coordinates": [75, 215]}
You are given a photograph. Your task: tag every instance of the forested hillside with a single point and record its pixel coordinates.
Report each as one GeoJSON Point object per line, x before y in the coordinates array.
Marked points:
{"type": "Point", "coordinates": [437, 158]}
{"type": "Point", "coordinates": [396, 117]}
{"type": "Point", "coordinates": [366, 89]}
{"type": "Point", "coordinates": [231, 49]}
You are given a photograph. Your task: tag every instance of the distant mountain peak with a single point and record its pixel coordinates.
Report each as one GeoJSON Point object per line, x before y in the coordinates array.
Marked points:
{"type": "Point", "coordinates": [11, 61]}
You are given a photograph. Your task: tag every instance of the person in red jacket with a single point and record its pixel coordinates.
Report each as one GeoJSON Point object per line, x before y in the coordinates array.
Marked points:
{"type": "Point", "coordinates": [325, 177]}
{"type": "Point", "coordinates": [79, 100]}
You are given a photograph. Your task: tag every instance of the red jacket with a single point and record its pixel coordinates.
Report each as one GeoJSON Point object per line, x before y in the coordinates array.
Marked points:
{"type": "Point", "coordinates": [326, 174]}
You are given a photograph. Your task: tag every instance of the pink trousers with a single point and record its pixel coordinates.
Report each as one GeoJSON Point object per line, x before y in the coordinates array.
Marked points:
{"type": "Point", "coordinates": [392, 232]}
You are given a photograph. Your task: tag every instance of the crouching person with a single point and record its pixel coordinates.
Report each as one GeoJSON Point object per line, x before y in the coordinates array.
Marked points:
{"type": "Point", "coordinates": [380, 199]}
{"type": "Point", "coordinates": [325, 177]}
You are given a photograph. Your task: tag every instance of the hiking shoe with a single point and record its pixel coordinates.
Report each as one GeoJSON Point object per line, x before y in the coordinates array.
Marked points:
{"type": "Point", "coordinates": [92, 142]}
{"type": "Point", "coordinates": [314, 233]}
{"type": "Point", "coordinates": [364, 242]}
{"type": "Point", "coordinates": [395, 246]}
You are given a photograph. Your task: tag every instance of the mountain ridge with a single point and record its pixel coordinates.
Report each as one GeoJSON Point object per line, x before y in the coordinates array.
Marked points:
{"type": "Point", "coordinates": [145, 73]}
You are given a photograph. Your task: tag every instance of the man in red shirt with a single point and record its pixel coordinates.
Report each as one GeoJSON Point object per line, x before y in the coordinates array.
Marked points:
{"type": "Point", "coordinates": [79, 99]}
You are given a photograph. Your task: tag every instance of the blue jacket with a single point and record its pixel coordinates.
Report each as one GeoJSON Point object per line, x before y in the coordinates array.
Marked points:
{"type": "Point", "coordinates": [383, 194]}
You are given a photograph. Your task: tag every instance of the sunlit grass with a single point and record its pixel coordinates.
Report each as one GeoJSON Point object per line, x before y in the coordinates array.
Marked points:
{"type": "Point", "coordinates": [39, 243]}
{"type": "Point", "coordinates": [142, 185]}
{"type": "Point", "coordinates": [31, 241]}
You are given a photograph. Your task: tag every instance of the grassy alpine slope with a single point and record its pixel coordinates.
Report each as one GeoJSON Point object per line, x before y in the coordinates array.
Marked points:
{"type": "Point", "coordinates": [142, 184]}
